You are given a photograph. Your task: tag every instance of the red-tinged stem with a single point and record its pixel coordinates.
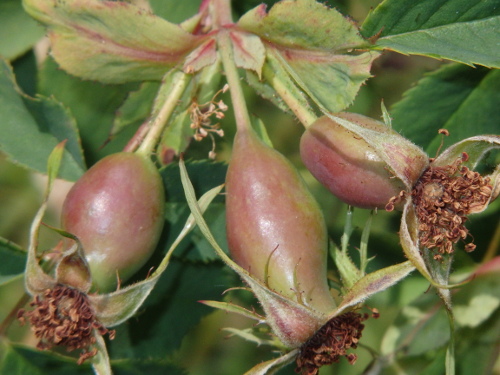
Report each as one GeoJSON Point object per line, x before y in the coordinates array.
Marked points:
{"type": "Point", "coordinates": [221, 11]}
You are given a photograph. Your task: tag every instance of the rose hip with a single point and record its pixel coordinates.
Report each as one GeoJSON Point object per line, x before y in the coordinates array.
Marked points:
{"type": "Point", "coordinates": [116, 210]}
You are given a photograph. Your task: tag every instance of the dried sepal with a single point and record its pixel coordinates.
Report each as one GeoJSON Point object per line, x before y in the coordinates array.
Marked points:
{"type": "Point", "coordinates": [73, 269]}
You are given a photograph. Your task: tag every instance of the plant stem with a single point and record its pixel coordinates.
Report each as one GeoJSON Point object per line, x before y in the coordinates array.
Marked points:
{"type": "Point", "coordinates": [233, 79]}
{"type": "Point", "coordinates": [305, 115]}
{"type": "Point", "coordinates": [179, 83]}
{"type": "Point", "coordinates": [277, 75]}
{"type": "Point", "coordinates": [222, 19]}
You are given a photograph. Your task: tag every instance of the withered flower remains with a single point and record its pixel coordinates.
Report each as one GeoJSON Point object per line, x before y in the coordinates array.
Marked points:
{"type": "Point", "coordinates": [330, 343]}
{"type": "Point", "coordinates": [443, 197]}
{"type": "Point", "coordinates": [64, 316]}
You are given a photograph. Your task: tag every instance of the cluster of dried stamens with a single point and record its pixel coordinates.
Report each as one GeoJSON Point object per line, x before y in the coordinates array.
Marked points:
{"type": "Point", "coordinates": [62, 316]}
{"type": "Point", "coordinates": [200, 116]}
{"type": "Point", "coordinates": [443, 197]}
{"type": "Point", "coordinates": [330, 343]}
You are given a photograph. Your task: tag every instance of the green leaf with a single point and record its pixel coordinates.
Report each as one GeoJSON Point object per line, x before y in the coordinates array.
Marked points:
{"type": "Point", "coordinates": [332, 81]}
{"type": "Point", "coordinates": [15, 21]}
{"type": "Point", "coordinates": [454, 97]}
{"type": "Point", "coordinates": [206, 175]}
{"type": "Point", "coordinates": [20, 360]}
{"type": "Point", "coordinates": [172, 308]}
{"type": "Point", "coordinates": [16, 359]}
{"type": "Point", "coordinates": [92, 104]}
{"type": "Point", "coordinates": [201, 57]}
{"type": "Point", "coordinates": [313, 44]}
{"type": "Point", "coordinates": [175, 11]}
{"type": "Point", "coordinates": [419, 328]}
{"type": "Point", "coordinates": [13, 260]}
{"type": "Point", "coordinates": [304, 24]}
{"type": "Point", "coordinates": [32, 127]}
{"type": "Point", "coordinates": [136, 108]}
{"type": "Point", "coordinates": [465, 31]}
{"type": "Point", "coordinates": [478, 300]}
{"type": "Point", "coordinates": [112, 42]}
{"type": "Point", "coordinates": [248, 51]}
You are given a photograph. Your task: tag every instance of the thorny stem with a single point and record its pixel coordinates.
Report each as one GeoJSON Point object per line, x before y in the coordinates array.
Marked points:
{"type": "Point", "coordinates": [180, 81]}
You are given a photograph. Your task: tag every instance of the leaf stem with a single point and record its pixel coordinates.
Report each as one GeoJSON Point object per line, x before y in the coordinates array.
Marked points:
{"type": "Point", "coordinates": [277, 75]}
{"type": "Point", "coordinates": [221, 10]}
{"type": "Point", "coordinates": [179, 81]}
{"type": "Point", "coordinates": [305, 115]}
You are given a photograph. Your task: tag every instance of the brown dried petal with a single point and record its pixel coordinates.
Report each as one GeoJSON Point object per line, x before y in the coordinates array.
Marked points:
{"type": "Point", "coordinates": [443, 197]}
{"type": "Point", "coordinates": [330, 343]}
{"type": "Point", "coordinates": [63, 316]}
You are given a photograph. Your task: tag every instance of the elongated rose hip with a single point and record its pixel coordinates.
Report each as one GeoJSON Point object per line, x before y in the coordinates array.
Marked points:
{"type": "Point", "coordinates": [275, 228]}
{"type": "Point", "coordinates": [116, 210]}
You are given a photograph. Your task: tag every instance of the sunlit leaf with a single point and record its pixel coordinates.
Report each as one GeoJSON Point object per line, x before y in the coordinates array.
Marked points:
{"type": "Point", "coordinates": [313, 45]}
{"type": "Point", "coordinates": [248, 51]}
{"type": "Point", "coordinates": [459, 30]}
{"type": "Point", "coordinates": [109, 41]}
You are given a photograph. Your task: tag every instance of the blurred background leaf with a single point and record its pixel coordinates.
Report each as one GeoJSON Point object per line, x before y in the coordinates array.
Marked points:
{"type": "Point", "coordinates": [15, 22]}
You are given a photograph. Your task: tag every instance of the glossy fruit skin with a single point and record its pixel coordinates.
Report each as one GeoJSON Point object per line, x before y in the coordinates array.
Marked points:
{"type": "Point", "coordinates": [116, 209]}
{"type": "Point", "coordinates": [346, 164]}
{"type": "Point", "coordinates": [273, 221]}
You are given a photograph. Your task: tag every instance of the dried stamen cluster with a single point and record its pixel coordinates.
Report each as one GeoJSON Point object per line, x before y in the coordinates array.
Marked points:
{"type": "Point", "coordinates": [62, 316]}
{"type": "Point", "coordinates": [330, 343]}
{"type": "Point", "coordinates": [200, 116]}
{"type": "Point", "coordinates": [443, 197]}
